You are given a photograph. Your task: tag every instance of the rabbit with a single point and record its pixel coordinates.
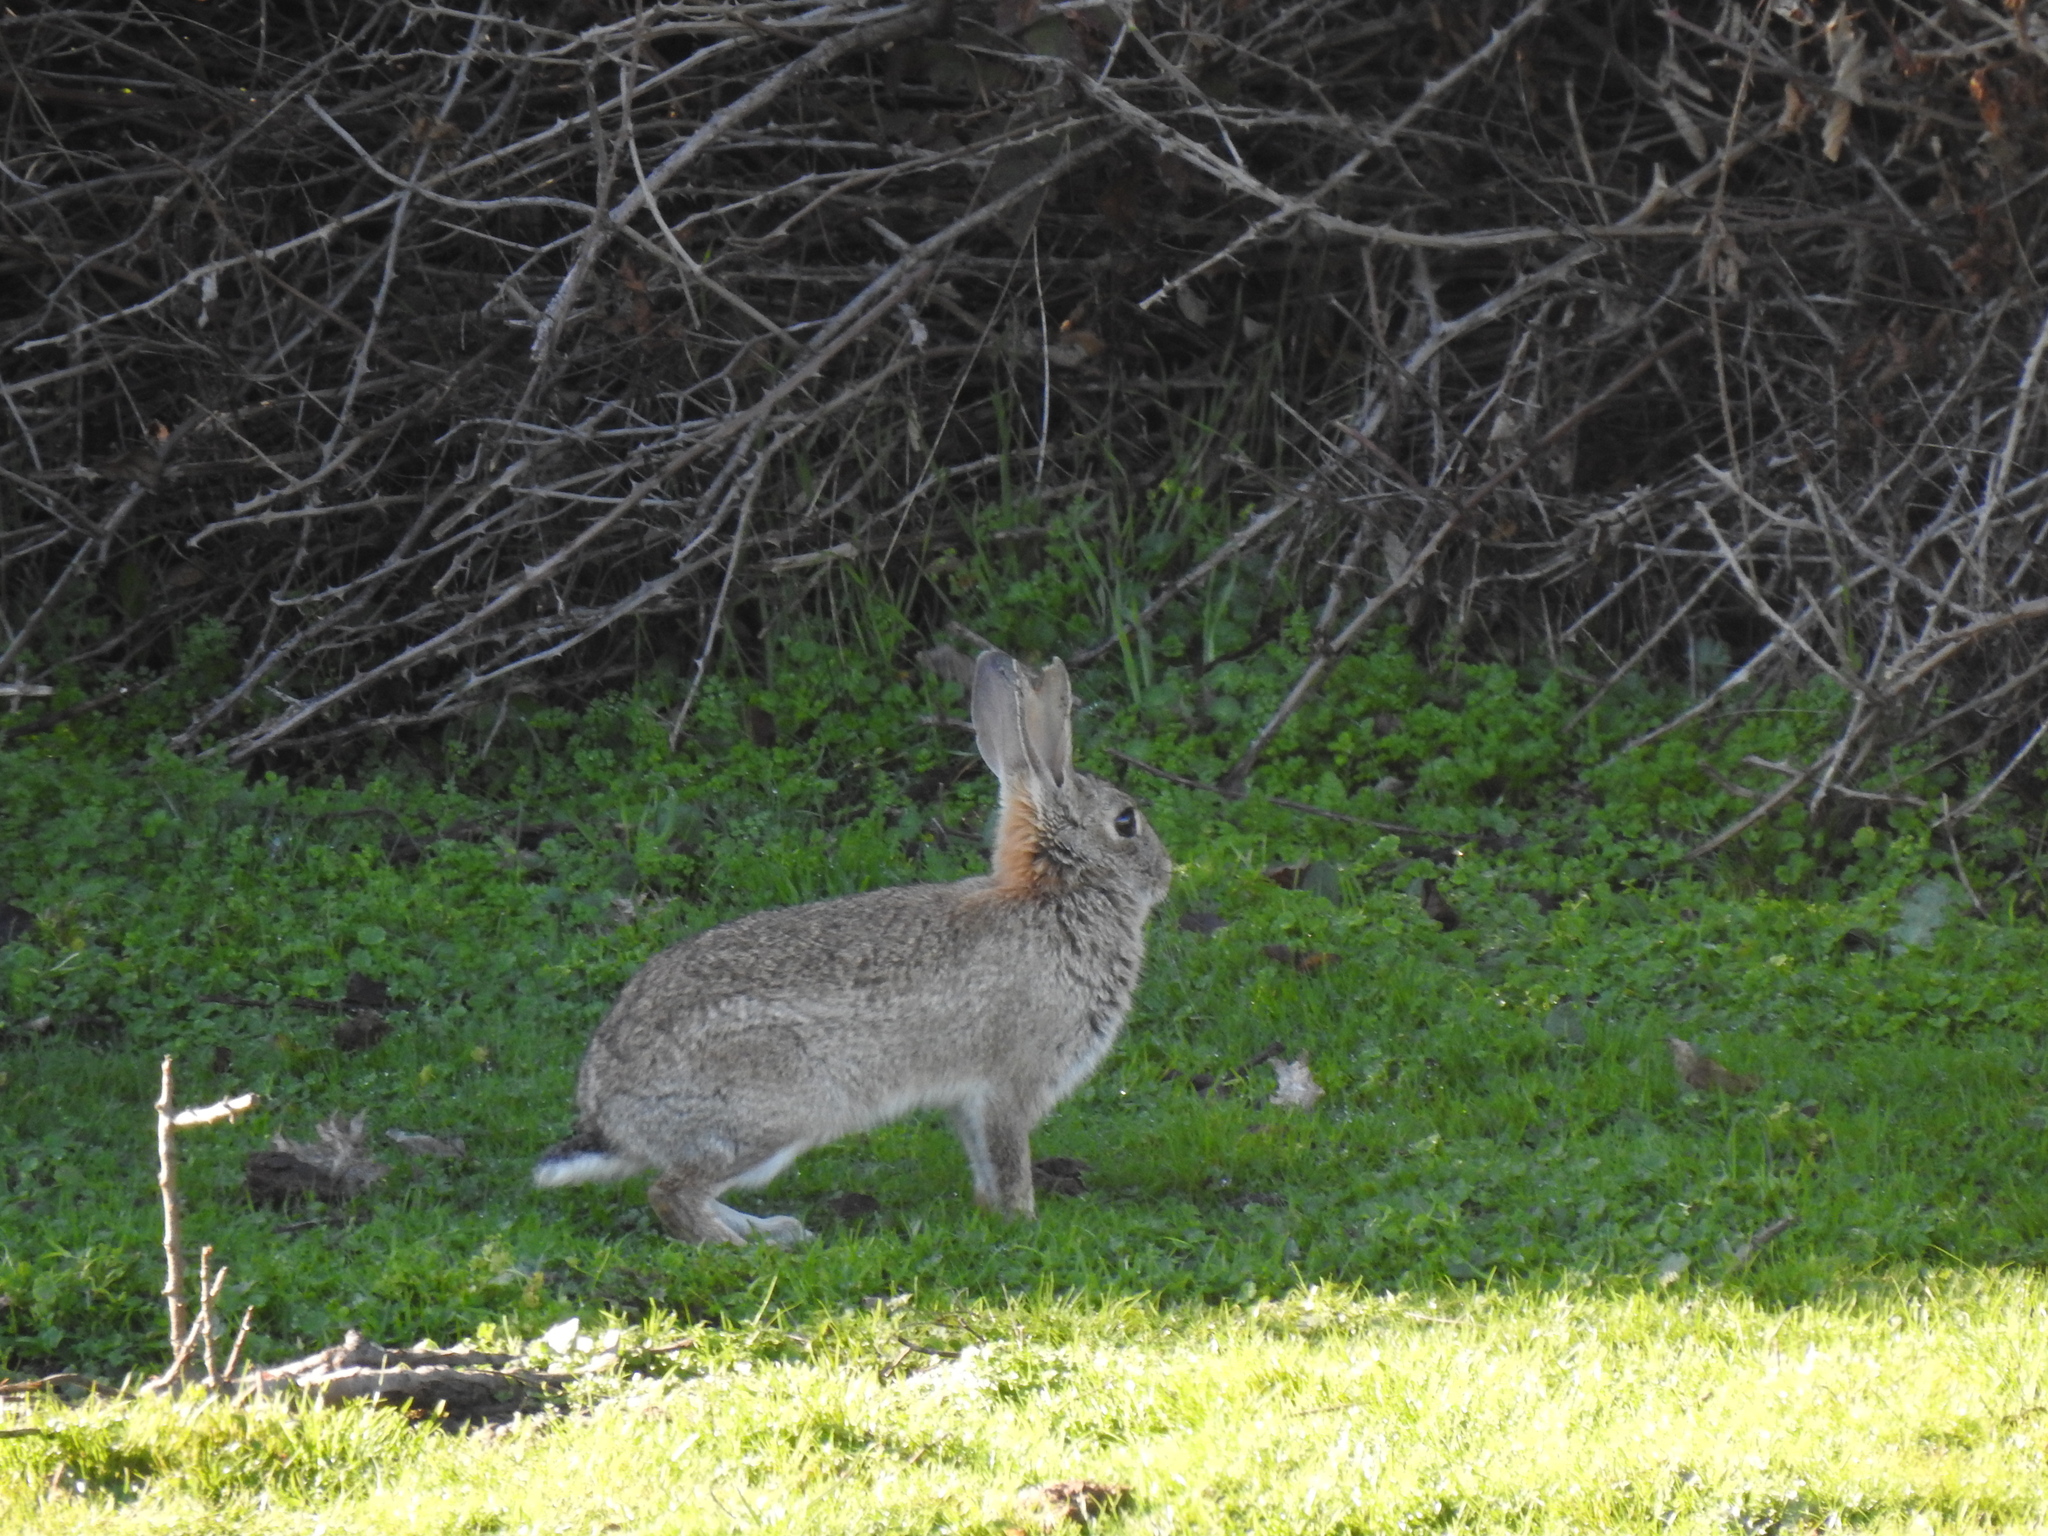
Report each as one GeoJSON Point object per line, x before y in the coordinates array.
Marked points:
{"type": "Point", "coordinates": [992, 998]}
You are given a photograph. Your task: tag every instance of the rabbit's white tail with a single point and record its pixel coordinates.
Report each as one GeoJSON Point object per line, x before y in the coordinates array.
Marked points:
{"type": "Point", "coordinates": [583, 1157]}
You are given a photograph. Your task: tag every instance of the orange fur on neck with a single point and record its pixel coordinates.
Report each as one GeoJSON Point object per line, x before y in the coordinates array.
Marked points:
{"type": "Point", "coordinates": [1019, 871]}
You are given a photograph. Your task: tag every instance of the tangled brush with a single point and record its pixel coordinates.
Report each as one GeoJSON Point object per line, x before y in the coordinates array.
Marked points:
{"type": "Point", "coordinates": [441, 354]}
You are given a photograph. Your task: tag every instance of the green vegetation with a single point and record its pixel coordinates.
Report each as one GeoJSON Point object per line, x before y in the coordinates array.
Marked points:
{"type": "Point", "coordinates": [1911, 1408]}
{"type": "Point", "coordinates": [1502, 1275]}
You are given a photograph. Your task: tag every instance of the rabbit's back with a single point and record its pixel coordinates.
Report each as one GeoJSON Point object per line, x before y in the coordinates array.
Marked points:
{"type": "Point", "coordinates": [847, 1013]}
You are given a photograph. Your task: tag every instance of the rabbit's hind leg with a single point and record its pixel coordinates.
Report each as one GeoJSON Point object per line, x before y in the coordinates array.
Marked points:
{"type": "Point", "coordinates": [686, 1200]}
{"type": "Point", "coordinates": [783, 1231]}
{"type": "Point", "coordinates": [690, 1212]}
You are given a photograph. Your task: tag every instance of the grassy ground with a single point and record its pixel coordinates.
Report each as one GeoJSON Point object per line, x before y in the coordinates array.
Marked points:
{"type": "Point", "coordinates": [1502, 1275]}
{"type": "Point", "coordinates": [1889, 1407]}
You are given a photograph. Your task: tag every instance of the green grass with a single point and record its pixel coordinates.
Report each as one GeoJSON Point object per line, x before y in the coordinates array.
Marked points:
{"type": "Point", "coordinates": [1913, 1406]}
{"type": "Point", "coordinates": [1483, 1285]}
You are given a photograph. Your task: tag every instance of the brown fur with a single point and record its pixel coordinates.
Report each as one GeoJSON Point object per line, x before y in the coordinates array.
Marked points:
{"type": "Point", "coordinates": [991, 998]}
{"type": "Point", "coordinates": [1019, 869]}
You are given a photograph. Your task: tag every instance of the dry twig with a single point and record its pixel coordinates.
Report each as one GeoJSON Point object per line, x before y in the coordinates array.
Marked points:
{"type": "Point", "coordinates": [453, 354]}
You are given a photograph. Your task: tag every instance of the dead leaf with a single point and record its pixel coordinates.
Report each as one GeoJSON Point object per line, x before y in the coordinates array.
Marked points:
{"type": "Point", "coordinates": [1848, 59]}
{"type": "Point", "coordinates": [1699, 1071]}
{"type": "Point", "coordinates": [853, 1205]}
{"type": "Point", "coordinates": [1721, 263]}
{"type": "Point", "coordinates": [1318, 877]}
{"type": "Point", "coordinates": [1067, 353]}
{"type": "Point", "coordinates": [1835, 132]}
{"type": "Point", "coordinates": [1797, 110]}
{"type": "Point", "coordinates": [363, 1028]}
{"type": "Point", "coordinates": [1394, 550]}
{"type": "Point", "coordinates": [1205, 923]}
{"type": "Point", "coordinates": [1986, 266]}
{"type": "Point", "coordinates": [1307, 960]}
{"type": "Point", "coordinates": [421, 1145]}
{"type": "Point", "coordinates": [336, 1166]}
{"type": "Point", "coordinates": [1298, 1090]}
{"type": "Point", "coordinates": [1060, 1176]}
{"type": "Point", "coordinates": [1091, 345]}
{"type": "Point", "coordinates": [433, 130]}
{"type": "Point", "coordinates": [341, 1145]}
{"type": "Point", "coordinates": [1434, 905]}
{"type": "Point", "coordinates": [1076, 1501]}
{"type": "Point", "coordinates": [1910, 64]}
{"type": "Point", "coordinates": [1990, 106]}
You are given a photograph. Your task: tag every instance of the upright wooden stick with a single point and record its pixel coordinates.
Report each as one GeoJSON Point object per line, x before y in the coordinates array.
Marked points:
{"type": "Point", "coordinates": [185, 1334]}
{"type": "Point", "coordinates": [209, 1287]}
{"type": "Point", "coordinates": [167, 1185]}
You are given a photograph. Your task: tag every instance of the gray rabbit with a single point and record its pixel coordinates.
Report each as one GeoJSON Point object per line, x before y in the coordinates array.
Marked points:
{"type": "Point", "coordinates": [992, 998]}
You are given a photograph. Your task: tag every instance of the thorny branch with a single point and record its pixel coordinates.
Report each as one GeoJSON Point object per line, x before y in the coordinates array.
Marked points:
{"type": "Point", "coordinates": [446, 354]}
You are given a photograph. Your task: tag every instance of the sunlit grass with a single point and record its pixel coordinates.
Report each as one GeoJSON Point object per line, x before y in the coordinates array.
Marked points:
{"type": "Point", "coordinates": [1897, 1405]}
{"type": "Point", "coordinates": [1430, 1304]}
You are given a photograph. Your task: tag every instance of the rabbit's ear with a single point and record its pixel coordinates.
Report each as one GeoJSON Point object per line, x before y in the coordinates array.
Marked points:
{"type": "Point", "coordinates": [1049, 724]}
{"type": "Point", "coordinates": [1021, 722]}
{"type": "Point", "coordinates": [998, 710]}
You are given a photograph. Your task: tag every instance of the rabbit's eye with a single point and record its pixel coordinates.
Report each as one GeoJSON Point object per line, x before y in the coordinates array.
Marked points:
{"type": "Point", "coordinates": [1126, 822]}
